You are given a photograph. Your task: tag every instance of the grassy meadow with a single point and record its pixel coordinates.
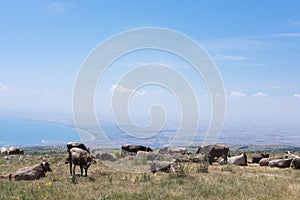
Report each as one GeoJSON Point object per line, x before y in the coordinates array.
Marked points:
{"type": "Point", "coordinates": [191, 181]}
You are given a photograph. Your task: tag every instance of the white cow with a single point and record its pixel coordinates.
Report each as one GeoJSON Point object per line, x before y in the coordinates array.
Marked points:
{"type": "Point", "coordinates": [240, 160]}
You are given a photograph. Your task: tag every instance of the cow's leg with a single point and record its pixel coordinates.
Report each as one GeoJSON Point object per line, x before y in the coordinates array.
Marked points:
{"type": "Point", "coordinates": [81, 170]}
{"type": "Point", "coordinates": [211, 158]}
{"type": "Point", "coordinates": [225, 158]}
{"type": "Point", "coordinates": [85, 172]}
{"type": "Point", "coordinates": [74, 170]}
{"type": "Point", "coordinates": [70, 163]}
{"type": "Point", "coordinates": [71, 168]}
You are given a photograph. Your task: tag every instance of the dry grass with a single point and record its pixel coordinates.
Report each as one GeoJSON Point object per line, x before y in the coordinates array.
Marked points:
{"type": "Point", "coordinates": [221, 182]}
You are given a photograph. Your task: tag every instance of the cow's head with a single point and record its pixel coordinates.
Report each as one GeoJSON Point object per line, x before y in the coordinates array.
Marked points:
{"type": "Point", "coordinates": [91, 159]}
{"type": "Point", "coordinates": [46, 167]}
{"type": "Point", "coordinates": [265, 155]}
{"type": "Point", "coordinates": [148, 149]}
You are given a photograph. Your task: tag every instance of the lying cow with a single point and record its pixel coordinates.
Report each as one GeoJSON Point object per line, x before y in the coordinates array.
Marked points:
{"type": "Point", "coordinates": [295, 164]}
{"type": "Point", "coordinates": [79, 145]}
{"type": "Point", "coordinates": [265, 161]}
{"type": "Point", "coordinates": [257, 157]}
{"type": "Point", "coordinates": [131, 148]}
{"type": "Point", "coordinates": [240, 160]}
{"type": "Point", "coordinates": [281, 163]}
{"type": "Point", "coordinates": [163, 166]}
{"type": "Point", "coordinates": [31, 173]}
{"type": "Point", "coordinates": [173, 150]}
{"type": "Point", "coordinates": [4, 151]}
{"type": "Point", "coordinates": [289, 155]}
{"type": "Point", "coordinates": [15, 150]}
{"type": "Point", "coordinates": [215, 150]}
{"type": "Point", "coordinates": [79, 157]}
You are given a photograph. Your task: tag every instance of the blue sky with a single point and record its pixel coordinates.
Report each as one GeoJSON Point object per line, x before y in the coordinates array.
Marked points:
{"type": "Point", "coordinates": [254, 44]}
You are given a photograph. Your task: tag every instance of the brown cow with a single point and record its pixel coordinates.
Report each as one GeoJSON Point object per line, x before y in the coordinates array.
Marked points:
{"type": "Point", "coordinates": [31, 173]}
{"type": "Point", "coordinates": [214, 150]}
{"type": "Point", "coordinates": [80, 157]}
{"type": "Point", "coordinates": [265, 161]}
{"type": "Point", "coordinates": [281, 163]}
{"type": "Point", "coordinates": [163, 166]}
{"type": "Point", "coordinates": [15, 150]}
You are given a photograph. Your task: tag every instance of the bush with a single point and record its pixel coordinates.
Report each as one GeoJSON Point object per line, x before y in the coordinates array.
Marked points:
{"type": "Point", "coordinates": [202, 167]}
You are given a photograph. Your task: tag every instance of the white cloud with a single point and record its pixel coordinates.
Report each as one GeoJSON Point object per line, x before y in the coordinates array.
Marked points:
{"type": "Point", "coordinates": [237, 94]}
{"type": "Point", "coordinates": [3, 87]}
{"type": "Point", "coordinates": [230, 58]}
{"type": "Point", "coordinates": [286, 35]}
{"type": "Point", "coordinates": [56, 7]}
{"type": "Point", "coordinates": [260, 94]}
{"type": "Point", "coordinates": [121, 89]}
{"type": "Point", "coordinates": [296, 96]}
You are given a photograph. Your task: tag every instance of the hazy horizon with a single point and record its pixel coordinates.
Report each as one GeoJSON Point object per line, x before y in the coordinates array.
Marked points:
{"type": "Point", "coordinates": [254, 45]}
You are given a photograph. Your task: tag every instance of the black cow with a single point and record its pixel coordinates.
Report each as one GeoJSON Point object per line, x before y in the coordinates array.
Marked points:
{"type": "Point", "coordinates": [15, 150]}
{"type": "Point", "coordinates": [79, 145]}
{"type": "Point", "coordinates": [257, 157]}
{"type": "Point", "coordinates": [131, 148]}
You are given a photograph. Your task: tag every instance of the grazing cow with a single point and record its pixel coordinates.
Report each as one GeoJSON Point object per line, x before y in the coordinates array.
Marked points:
{"type": "Point", "coordinates": [163, 166]}
{"type": "Point", "coordinates": [31, 173]}
{"type": "Point", "coordinates": [281, 163]}
{"type": "Point", "coordinates": [79, 145]}
{"type": "Point", "coordinates": [15, 150]}
{"type": "Point", "coordinates": [215, 150]}
{"type": "Point", "coordinates": [265, 161]}
{"type": "Point", "coordinates": [257, 157]}
{"type": "Point", "coordinates": [240, 160]}
{"type": "Point", "coordinates": [4, 151]}
{"type": "Point", "coordinates": [80, 157]}
{"type": "Point", "coordinates": [295, 164]}
{"type": "Point", "coordinates": [131, 148]}
{"type": "Point", "coordinates": [173, 150]}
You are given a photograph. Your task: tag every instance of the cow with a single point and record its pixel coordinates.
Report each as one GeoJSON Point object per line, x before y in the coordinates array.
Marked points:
{"type": "Point", "coordinates": [281, 163]}
{"type": "Point", "coordinates": [106, 156]}
{"type": "Point", "coordinates": [198, 158]}
{"type": "Point", "coordinates": [295, 164]}
{"type": "Point", "coordinates": [265, 161]}
{"type": "Point", "coordinates": [31, 173]}
{"type": "Point", "coordinates": [4, 151]}
{"type": "Point", "coordinates": [173, 150]}
{"type": "Point", "coordinates": [214, 150]}
{"type": "Point", "coordinates": [131, 148]}
{"type": "Point", "coordinates": [257, 157]}
{"type": "Point", "coordinates": [289, 155]}
{"type": "Point", "coordinates": [240, 160]}
{"type": "Point", "coordinates": [80, 157]}
{"type": "Point", "coordinates": [79, 145]}
{"type": "Point", "coordinates": [163, 166]}
{"type": "Point", "coordinates": [15, 150]}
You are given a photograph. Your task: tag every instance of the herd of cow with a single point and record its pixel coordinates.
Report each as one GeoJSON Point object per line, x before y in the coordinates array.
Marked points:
{"type": "Point", "coordinates": [79, 154]}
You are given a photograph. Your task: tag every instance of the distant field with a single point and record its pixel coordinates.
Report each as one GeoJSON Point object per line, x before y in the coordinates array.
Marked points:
{"type": "Point", "coordinates": [221, 182]}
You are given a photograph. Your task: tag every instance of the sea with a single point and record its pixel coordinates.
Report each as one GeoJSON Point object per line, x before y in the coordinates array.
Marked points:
{"type": "Point", "coordinates": [31, 132]}
{"type": "Point", "coordinates": [24, 132]}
